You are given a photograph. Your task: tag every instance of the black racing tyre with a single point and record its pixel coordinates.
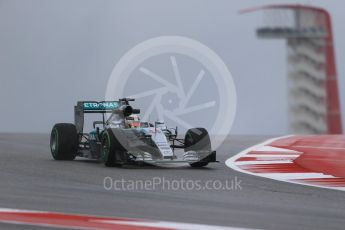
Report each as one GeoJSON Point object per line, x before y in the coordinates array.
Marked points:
{"type": "Point", "coordinates": [197, 139]}
{"type": "Point", "coordinates": [112, 152]}
{"type": "Point", "coordinates": [64, 141]}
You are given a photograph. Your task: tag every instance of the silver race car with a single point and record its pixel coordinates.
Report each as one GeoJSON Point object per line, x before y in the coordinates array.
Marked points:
{"type": "Point", "coordinates": [123, 138]}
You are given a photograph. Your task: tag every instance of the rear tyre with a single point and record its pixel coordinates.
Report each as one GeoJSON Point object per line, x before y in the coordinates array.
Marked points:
{"type": "Point", "coordinates": [64, 141]}
{"type": "Point", "coordinates": [197, 139]}
{"type": "Point", "coordinates": [112, 151]}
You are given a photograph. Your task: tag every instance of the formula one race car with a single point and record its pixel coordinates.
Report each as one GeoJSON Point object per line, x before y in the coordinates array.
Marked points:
{"type": "Point", "coordinates": [124, 139]}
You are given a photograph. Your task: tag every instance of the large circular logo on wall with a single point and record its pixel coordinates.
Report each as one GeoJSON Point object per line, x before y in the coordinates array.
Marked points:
{"type": "Point", "coordinates": [177, 80]}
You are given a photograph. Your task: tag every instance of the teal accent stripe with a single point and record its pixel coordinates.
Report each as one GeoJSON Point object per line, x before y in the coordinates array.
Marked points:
{"type": "Point", "coordinates": [106, 105]}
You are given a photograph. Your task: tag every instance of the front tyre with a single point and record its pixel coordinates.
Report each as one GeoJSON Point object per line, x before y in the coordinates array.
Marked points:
{"type": "Point", "coordinates": [112, 151]}
{"type": "Point", "coordinates": [197, 139]}
{"type": "Point", "coordinates": [108, 149]}
{"type": "Point", "coordinates": [64, 141]}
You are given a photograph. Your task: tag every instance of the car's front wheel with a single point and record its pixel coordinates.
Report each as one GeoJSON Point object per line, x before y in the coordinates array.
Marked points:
{"type": "Point", "coordinates": [198, 139]}
{"type": "Point", "coordinates": [112, 152]}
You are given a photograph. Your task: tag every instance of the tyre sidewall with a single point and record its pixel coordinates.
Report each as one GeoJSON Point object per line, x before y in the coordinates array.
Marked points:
{"type": "Point", "coordinates": [64, 141]}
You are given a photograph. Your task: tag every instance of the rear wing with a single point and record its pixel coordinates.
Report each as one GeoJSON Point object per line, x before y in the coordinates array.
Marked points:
{"type": "Point", "coordinates": [99, 107]}
{"type": "Point", "coordinates": [92, 107]}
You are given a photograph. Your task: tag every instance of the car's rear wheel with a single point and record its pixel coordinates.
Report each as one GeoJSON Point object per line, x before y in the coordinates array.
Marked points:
{"type": "Point", "coordinates": [197, 139]}
{"type": "Point", "coordinates": [64, 141]}
{"type": "Point", "coordinates": [112, 152]}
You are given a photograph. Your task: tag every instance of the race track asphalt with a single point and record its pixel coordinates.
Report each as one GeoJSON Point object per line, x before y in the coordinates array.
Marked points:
{"type": "Point", "coordinates": [31, 179]}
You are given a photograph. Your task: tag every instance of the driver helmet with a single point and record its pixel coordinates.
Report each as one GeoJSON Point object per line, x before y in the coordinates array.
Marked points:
{"type": "Point", "coordinates": [133, 121]}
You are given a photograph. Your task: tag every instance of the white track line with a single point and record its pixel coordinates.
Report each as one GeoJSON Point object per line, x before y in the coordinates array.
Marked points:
{"type": "Point", "coordinates": [174, 225]}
